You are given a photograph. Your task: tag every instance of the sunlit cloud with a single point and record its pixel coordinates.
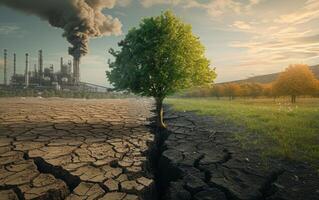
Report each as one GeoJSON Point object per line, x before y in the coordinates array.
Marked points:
{"type": "Point", "coordinates": [307, 13]}
{"type": "Point", "coordinates": [290, 38]}
{"type": "Point", "coordinates": [241, 25]}
{"type": "Point", "coordinates": [309, 39]}
{"type": "Point", "coordinates": [149, 3]}
{"type": "Point", "coordinates": [214, 8]}
{"type": "Point", "coordinates": [220, 7]}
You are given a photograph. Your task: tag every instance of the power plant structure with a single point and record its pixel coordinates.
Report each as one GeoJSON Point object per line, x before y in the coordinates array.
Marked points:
{"type": "Point", "coordinates": [76, 70]}
{"type": "Point", "coordinates": [5, 68]}
{"type": "Point", "coordinates": [26, 72]}
{"type": "Point", "coordinates": [67, 78]}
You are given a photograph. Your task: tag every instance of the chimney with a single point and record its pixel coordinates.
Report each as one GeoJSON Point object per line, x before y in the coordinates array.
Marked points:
{"type": "Point", "coordinates": [51, 69]}
{"type": "Point", "coordinates": [69, 67]}
{"type": "Point", "coordinates": [14, 64]}
{"type": "Point", "coordinates": [40, 65]}
{"type": "Point", "coordinates": [35, 73]}
{"type": "Point", "coordinates": [76, 70]}
{"type": "Point", "coordinates": [5, 68]}
{"type": "Point", "coordinates": [26, 74]}
{"type": "Point", "coordinates": [61, 64]}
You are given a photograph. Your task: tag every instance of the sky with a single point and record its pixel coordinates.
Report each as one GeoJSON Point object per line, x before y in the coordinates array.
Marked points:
{"type": "Point", "coordinates": [243, 38]}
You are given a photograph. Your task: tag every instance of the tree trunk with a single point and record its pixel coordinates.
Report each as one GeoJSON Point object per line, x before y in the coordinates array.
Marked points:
{"type": "Point", "coordinates": [293, 98]}
{"type": "Point", "coordinates": [159, 113]}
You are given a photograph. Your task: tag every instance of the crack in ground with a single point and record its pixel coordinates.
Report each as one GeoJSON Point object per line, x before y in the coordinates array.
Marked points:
{"type": "Point", "coordinates": [15, 189]}
{"type": "Point", "coordinates": [208, 176]}
{"type": "Point", "coordinates": [267, 189]}
{"type": "Point", "coordinates": [154, 156]}
{"type": "Point", "coordinates": [57, 171]}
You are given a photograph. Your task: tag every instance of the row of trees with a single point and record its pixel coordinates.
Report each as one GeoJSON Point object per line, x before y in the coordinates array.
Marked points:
{"type": "Point", "coordinates": [296, 80]}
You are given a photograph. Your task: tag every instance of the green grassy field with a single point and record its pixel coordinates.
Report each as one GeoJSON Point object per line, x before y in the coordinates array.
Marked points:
{"type": "Point", "coordinates": [278, 128]}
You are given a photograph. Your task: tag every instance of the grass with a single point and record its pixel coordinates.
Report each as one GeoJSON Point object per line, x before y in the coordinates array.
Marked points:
{"type": "Point", "coordinates": [278, 128]}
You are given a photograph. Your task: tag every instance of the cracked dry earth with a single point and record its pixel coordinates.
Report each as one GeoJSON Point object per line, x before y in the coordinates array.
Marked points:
{"type": "Point", "coordinates": [201, 160]}
{"type": "Point", "coordinates": [75, 149]}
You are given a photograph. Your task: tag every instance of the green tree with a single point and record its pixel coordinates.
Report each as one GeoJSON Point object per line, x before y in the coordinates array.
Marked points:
{"type": "Point", "coordinates": [159, 58]}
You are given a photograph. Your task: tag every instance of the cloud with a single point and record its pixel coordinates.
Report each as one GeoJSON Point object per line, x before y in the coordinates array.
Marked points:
{"type": "Point", "coordinates": [299, 17]}
{"type": "Point", "coordinates": [272, 44]}
{"type": "Point", "coordinates": [123, 3]}
{"type": "Point", "coordinates": [309, 39]}
{"type": "Point", "coordinates": [305, 14]}
{"type": "Point", "coordinates": [296, 55]}
{"type": "Point", "coordinates": [220, 7]}
{"type": "Point", "coordinates": [9, 29]}
{"type": "Point", "coordinates": [241, 25]}
{"type": "Point", "coordinates": [149, 3]}
{"type": "Point", "coordinates": [214, 8]}
{"type": "Point", "coordinates": [254, 2]}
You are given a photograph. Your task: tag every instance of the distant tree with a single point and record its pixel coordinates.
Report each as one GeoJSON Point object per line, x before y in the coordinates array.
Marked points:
{"type": "Point", "coordinates": [204, 91]}
{"type": "Point", "coordinates": [217, 91]}
{"type": "Point", "coordinates": [268, 90]}
{"type": "Point", "coordinates": [317, 89]}
{"type": "Point", "coordinates": [232, 90]}
{"type": "Point", "coordinates": [245, 90]}
{"type": "Point", "coordinates": [296, 80]}
{"type": "Point", "coordinates": [159, 58]}
{"type": "Point", "coordinates": [256, 90]}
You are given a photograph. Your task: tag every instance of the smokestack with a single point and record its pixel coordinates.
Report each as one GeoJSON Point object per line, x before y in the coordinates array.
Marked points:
{"type": "Point", "coordinates": [26, 74]}
{"type": "Point", "coordinates": [69, 67]}
{"type": "Point", "coordinates": [14, 64]}
{"type": "Point", "coordinates": [5, 68]}
{"type": "Point", "coordinates": [35, 71]}
{"type": "Point", "coordinates": [76, 69]}
{"type": "Point", "coordinates": [40, 64]}
{"type": "Point", "coordinates": [61, 64]}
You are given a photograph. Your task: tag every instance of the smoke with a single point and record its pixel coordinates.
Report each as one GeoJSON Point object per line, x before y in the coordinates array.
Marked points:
{"type": "Point", "coordinates": [80, 19]}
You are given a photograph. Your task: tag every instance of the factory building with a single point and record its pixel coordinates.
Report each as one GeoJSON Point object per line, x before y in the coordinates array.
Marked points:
{"type": "Point", "coordinates": [40, 76]}
{"type": "Point", "coordinates": [67, 77]}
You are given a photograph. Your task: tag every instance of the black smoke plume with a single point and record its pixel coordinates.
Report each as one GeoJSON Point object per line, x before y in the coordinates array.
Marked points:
{"type": "Point", "coordinates": [80, 19]}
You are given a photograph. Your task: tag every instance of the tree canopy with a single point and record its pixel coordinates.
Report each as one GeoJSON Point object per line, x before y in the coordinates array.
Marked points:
{"type": "Point", "coordinates": [296, 80]}
{"type": "Point", "coordinates": [159, 58]}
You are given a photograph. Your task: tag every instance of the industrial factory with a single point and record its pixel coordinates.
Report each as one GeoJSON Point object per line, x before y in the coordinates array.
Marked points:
{"type": "Point", "coordinates": [40, 77]}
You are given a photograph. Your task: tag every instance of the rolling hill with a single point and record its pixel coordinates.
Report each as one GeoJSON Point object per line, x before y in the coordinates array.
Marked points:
{"type": "Point", "coordinates": [271, 77]}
